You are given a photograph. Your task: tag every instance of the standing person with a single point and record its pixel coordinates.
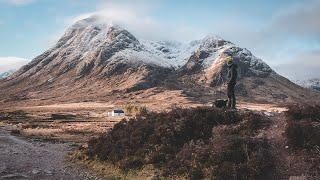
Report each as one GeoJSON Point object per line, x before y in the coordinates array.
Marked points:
{"type": "Point", "coordinates": [232, 81]}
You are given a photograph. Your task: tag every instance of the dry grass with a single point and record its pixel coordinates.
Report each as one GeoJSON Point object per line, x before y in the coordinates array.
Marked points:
{"type": "Point", "coordinates": [62, 126]}
{"type": "Point", "coordinates": [41, 132]}
{"type": "Point", "coordinates": [78, 132]}
{"type": "Point", "coordinates": [110, 171]}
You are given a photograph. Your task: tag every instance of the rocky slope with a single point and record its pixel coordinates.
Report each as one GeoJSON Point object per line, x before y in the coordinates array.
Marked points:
{"type": "Point", "coordinates": [95, 61]}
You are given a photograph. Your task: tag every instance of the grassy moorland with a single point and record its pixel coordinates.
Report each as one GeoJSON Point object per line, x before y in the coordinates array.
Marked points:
{"type": "Point", "coordinates": [191, 143]}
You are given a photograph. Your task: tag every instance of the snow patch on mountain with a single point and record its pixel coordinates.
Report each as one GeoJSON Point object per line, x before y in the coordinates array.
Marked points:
{"type": "Point", "coordinates": [311, 83]}
{"type": "Point", "coordinates": [6, 74]}
{"type": "Point", "coordinates": [173, 54]}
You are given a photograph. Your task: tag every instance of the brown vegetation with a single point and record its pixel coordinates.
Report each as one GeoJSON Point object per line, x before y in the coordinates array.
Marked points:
{"type": "Point", "coordinates": [134, 110]}
{"type": "Point", "coordinates": [303, 135]}
{"type": "Point", "coordinates": [197, 143]}
{"type": "Point", "coordinates": [13, 115]}
{"type": "Point", "coordinates": [303, 130]}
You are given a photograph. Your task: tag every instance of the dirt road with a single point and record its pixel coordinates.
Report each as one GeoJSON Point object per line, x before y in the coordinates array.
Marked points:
{"type": "Point", "coordinates": [22, 158]}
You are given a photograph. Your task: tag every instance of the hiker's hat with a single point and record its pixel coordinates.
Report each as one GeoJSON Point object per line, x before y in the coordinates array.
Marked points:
{"type": "Point", "coordinates": [229, 60]}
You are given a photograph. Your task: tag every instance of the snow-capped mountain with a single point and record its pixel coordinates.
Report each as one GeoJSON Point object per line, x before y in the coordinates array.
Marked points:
{"type": "Point", "coordinates": [311, 84]}
{"type": "Point", "coordinates": [107, 43]}
{"type": "Point", "coordinates": [94, 58]}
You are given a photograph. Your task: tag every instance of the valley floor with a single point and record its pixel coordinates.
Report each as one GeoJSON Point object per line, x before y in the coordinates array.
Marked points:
{"type": "Point", "coordinates": [23, 158]}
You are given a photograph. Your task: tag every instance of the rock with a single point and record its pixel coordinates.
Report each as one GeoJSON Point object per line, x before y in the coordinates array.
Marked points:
{"type": "Point", "coordinates": [298, 178]}
{"type": "Point", "coordinates": [155, 177]}
{"type": "Point", "coordinates": [268, 114]}
{"type": "Point", "coordinates": [35, 171]}
{"type": "Point", "coordinates": [16, 175]}
{"type": "Point", "coordinates": [48, 172]}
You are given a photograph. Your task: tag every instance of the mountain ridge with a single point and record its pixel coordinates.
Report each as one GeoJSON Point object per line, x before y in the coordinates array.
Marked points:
{"type": "Point", "coordinates": [95, 60]}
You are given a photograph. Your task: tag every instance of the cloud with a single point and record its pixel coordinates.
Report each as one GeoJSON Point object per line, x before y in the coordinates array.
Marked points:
{"type": "Point", "coordinates": [303, 66]}
{"type": "Point", "coordinates": [135, 17]}
{"type": "Point", "coordinates": [289, 39]}
{"type": "Point", "coordinates": [11, 63]}
{"type": "Point", "coordinates": [20, 2]}
{"type": "Point", "coordinates": [300, 20]}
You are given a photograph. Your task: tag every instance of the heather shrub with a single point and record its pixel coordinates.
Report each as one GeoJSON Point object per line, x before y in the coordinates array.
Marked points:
{"type": "Point", "coordinates": [19, 114]}
{"type": "Point", "coordinates": [303, 134]}
{"type": "Point", "coordinates": [303, 128]}
{"type": "Point", "coordinates": [304, 112]}
{"type": "Point", "coordinates": [134, 110]}
{"type": "Point", "coordinates": [197, 143]}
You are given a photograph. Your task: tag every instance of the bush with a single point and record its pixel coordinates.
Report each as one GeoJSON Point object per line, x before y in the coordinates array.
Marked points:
{"type": "Point", "coordinates": [185, 142]}
{"type": "Point", "coordinates": [304, 112]}
{"type": "Point", "coordinates": [133, 110]}
{"type": "Point", "coordinates": [13, 115]}
{"type": "Point", "coordinates": [303, 134]}
{"type": "Point", "coordinates": [303, 129]}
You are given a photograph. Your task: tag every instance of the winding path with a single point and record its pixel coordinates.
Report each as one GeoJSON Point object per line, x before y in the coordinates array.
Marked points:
{"type": "Point", "coordinates": [22, 158]}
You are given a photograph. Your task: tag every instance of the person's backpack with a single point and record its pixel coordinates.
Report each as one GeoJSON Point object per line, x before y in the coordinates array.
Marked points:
{"type": "Point", "coordinates": [221, 103]}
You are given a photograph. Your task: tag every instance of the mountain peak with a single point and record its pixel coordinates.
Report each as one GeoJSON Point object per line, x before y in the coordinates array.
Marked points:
{"type": "Point", "coordinates": [93, 21]}
{"type": "Point", "coordinates": [212, 37]}
{"type": "Point", "coordinates": [212, 41]}
{"type": "Point", "coordinates": [94, 53]}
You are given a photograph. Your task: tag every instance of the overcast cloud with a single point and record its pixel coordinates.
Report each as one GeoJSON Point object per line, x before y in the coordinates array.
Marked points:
{"type": "Point", "coordinates": [11, 63]}
{"type": "Point", "coordinates": [134, 16]}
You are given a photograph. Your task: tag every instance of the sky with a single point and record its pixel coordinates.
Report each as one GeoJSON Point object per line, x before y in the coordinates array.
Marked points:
{"type": "Point", "coordinates": [285, 34]}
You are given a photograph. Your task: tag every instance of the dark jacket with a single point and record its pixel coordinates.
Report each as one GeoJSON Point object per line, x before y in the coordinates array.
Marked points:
{"type": "Point", "coordinates": [232, 74]}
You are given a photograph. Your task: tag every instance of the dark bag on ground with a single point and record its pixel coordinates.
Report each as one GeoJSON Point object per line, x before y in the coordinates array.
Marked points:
{"type": "Point", "coordinates": [221, 103]}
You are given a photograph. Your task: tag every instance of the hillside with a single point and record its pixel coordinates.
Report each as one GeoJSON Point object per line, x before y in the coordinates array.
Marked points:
{"type": "Point", "coordinates": [96, 61]}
